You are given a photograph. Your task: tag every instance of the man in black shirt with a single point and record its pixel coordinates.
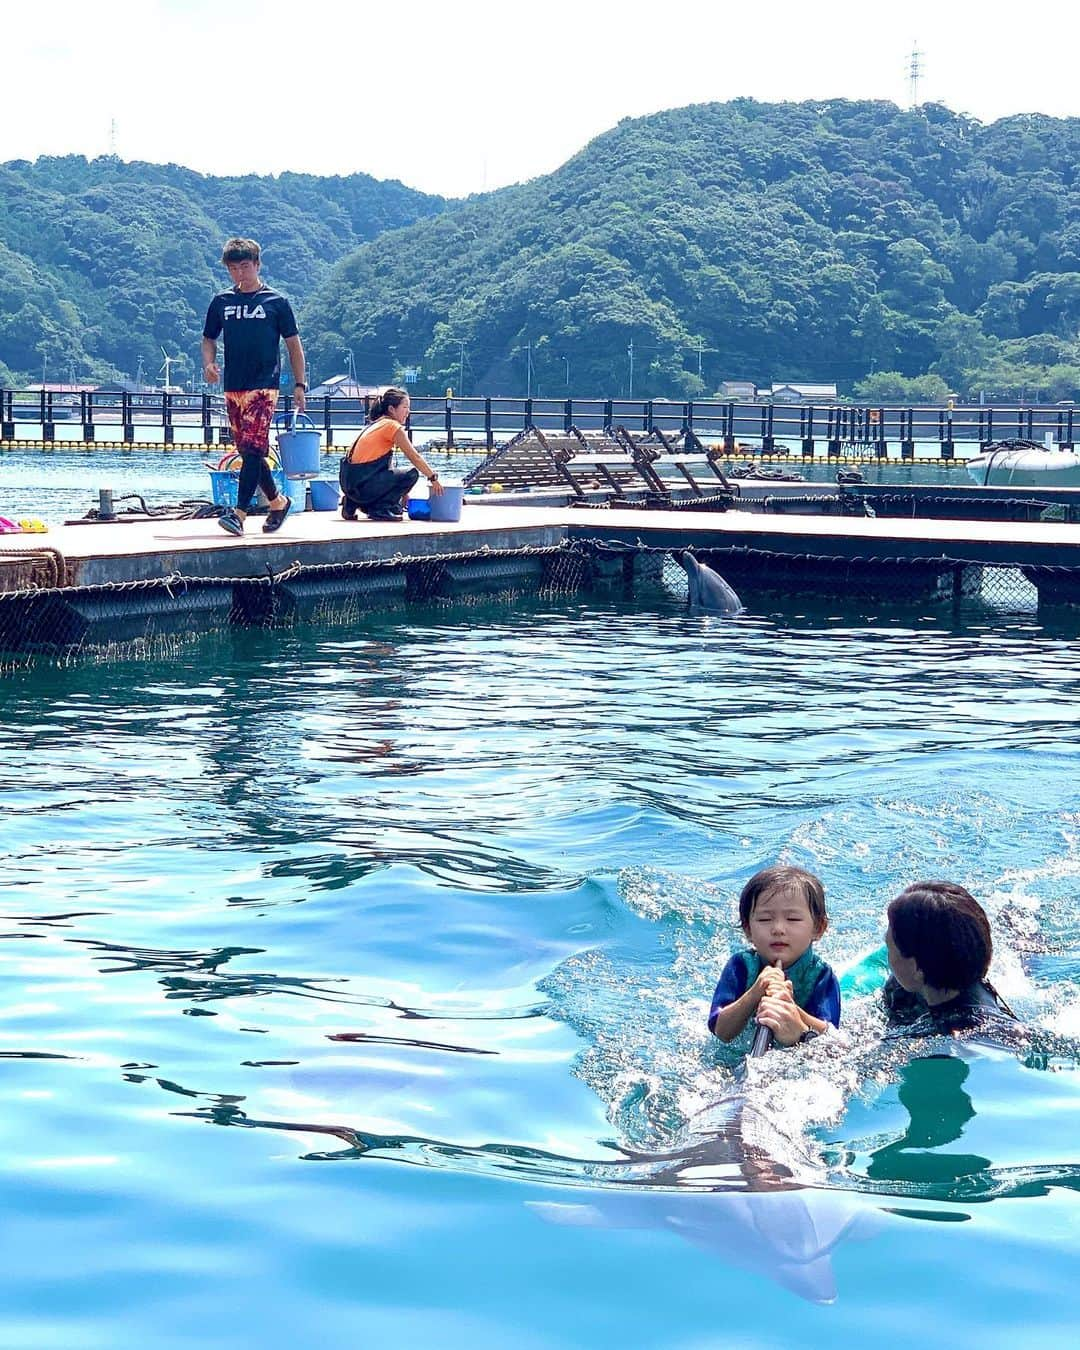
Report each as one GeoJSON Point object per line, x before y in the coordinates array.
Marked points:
{"type": "Point", "coordinates": [253, 320]}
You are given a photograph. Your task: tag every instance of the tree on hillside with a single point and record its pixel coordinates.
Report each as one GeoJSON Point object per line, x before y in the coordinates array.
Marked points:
{"type": "Point", "coordinates": [890, 387]}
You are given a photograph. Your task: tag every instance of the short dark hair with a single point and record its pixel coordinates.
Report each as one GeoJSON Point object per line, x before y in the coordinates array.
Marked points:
{"type": "Point", "coordinates": [944, 929]}
{"type": "Point", "coordinates": [781, 878]}
{"type": "Point", "coordinates": [389, 398]}
{"type": "Point", "coordinates": [240, 250]}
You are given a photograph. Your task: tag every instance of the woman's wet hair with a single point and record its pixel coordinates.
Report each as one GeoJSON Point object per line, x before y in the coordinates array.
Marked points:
{"type": "Point", "coordinates": [790, 879]}
{"type": "Point", "coordinates": [389, 398]}
{"type": "Point", "coordinates": [240, 250]}
{"type": "Point", "coordinates": [944, 929]}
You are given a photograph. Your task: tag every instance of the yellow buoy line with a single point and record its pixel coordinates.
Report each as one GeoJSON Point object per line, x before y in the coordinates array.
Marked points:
{"type": "Point", "coordinates": [728, 457]}
{"type": "Point", "coordinates": [105, 445]}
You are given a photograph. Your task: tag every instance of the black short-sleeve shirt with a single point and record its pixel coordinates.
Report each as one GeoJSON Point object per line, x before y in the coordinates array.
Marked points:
{"type": "Point", "coordinates": [253, 324]}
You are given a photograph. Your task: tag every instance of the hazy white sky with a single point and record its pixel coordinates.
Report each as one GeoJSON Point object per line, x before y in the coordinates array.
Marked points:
{"type": "Point", "coordinates": [455, 96]}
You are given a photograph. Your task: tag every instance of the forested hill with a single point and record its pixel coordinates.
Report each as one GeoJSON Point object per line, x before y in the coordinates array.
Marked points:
{"type": "Point", "coordinates": [770, 242]}
{"type": "Point", "coordinates": [103, 262]}
{"type": "Point", "coordinates": [810, 241]}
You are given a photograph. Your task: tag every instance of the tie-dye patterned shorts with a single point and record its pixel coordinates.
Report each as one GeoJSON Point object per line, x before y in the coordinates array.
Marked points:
{"type": "Point", "coordinates": [250, 414]}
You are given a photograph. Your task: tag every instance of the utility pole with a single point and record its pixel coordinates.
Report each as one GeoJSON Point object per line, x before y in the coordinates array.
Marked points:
{"type": "Point", "coordinates": [528, 370]}
{"type": "Point", "coordinates": [630, 354]}
{"type": "Point", "coordinates": [461, 367]}
{"type": "Point", "coordinates": [914, 73]}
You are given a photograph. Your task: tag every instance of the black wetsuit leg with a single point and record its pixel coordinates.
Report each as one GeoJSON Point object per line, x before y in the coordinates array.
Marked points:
{"type": "Point", "coordinates": [254, 473]}
{"type": "Point", "coordinates": [375, 488]}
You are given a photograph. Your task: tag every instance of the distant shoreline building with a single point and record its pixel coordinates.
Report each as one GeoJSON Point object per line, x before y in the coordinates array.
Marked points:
{"type": "Point", "coordinates": [344, 386]}
{"type": "Point", "coordinates": [738, 389]}
{"type": "Point", "coordinates": [746, 391]}
{"type": "Point", "coordinates": [803, 393]}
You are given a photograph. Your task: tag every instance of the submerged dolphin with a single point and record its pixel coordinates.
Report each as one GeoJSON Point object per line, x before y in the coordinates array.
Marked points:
{"type": "Point", "coordinates": [754, 1213]}
{"type": "Point", "coordinates": [708, 590]}
{"type": "Point", "coordinates": [787, 1236]}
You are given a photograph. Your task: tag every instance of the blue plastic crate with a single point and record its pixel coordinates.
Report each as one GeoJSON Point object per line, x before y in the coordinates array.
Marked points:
{"type": "Point", "coordinates": [224, 483]}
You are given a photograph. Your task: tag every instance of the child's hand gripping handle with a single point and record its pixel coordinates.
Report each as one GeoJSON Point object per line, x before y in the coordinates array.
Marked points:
{"type": "Point", "coordinates": [763, 1037]}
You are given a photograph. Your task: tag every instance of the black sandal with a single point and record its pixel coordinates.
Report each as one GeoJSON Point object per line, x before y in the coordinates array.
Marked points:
{"type": "Point", "coordinates": [275, 518]}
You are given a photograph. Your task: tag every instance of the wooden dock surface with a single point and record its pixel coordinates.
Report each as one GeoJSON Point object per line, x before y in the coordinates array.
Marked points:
{"type": "Point", "coordinates": [140, 549]}
{"type": "Point", "coordinates": [1004, 543]}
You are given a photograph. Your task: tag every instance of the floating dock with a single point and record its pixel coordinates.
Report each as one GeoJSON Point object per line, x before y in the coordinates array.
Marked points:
{"type": "Point", "coordinates": [88, 583]}
{"type": "Point", "coordinates": [141, 550]}
{"type": "Point", "coordinates": [96, 554]}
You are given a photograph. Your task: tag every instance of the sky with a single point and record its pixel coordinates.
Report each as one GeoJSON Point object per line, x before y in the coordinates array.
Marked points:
{"type": "Point", "coordinates": [463, 96]}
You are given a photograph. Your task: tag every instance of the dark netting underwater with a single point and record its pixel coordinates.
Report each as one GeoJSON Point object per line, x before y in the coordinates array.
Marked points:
{"type": "Point", "coordinates": [762, 577]}
{"type": "Point", "coordinates": [42, 616]}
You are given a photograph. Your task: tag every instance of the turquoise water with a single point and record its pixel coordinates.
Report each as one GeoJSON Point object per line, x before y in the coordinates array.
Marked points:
{"type": "Point", "coordinates": [353, 983]}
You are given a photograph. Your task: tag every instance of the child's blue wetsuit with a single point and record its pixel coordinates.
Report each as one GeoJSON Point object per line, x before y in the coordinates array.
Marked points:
{"type": "Point", "coordinates": [813, 983]}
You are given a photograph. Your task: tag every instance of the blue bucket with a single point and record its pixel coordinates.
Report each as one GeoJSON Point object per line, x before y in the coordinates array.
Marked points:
{"type": "Point", "coordinates": [324, 496]}
{"type": "Point", "coordinates": [446, 507]}
{"type": "Point", "coordinates": [298, 446]}
{"type": "Point", "coordinates": [443, 509]}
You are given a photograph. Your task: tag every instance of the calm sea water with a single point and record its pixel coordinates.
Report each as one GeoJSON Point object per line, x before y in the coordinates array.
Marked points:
{"type": "Point", "coordinates": [353, 982]}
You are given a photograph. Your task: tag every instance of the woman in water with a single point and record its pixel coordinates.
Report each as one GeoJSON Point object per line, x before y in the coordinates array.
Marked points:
{"type": "Point", "coordinates": [939, 945]}
{"type": "Point", "coordinates": [367, 481]}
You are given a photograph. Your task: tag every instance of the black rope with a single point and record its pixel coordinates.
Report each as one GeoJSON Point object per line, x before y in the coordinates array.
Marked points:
{"type": "Point", "coordinates": [940, 507]}
{"type": "Point", "coordinates": [742, 551]}
{"type": "Point", "coordinates": [189, 509]}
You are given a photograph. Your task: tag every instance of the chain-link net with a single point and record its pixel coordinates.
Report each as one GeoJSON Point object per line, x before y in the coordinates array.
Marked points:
{"type": "Point", "coordinates": [41, 615]}
{"type": "Point", "coordinates": [763, 578]}
{"type": "Point", "coordinates": [958, 505]}
{"type": "Point", "coordinates": [1008, 588]}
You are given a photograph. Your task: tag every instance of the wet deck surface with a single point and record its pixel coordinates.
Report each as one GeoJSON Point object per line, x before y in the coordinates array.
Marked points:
{"type": "Point", "coordinates": [144, 549]}
{"type": "Point", "coordinates": [982, 540]}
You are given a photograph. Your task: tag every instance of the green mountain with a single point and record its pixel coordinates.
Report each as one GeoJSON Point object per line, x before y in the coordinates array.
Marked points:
{"type": "Point", "coordinates": [103, 262]}
{"type": "Point", "coordinates": [898, 252]}
{"type": "Point", "coordinates": [742, 240]}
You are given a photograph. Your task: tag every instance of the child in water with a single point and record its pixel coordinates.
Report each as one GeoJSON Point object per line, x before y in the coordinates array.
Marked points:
{"type": "Point", "coordinates": [782, 912]}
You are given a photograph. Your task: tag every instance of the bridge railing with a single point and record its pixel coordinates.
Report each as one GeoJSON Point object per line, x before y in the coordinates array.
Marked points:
{"type": "Point", "coordinates": [486, 422]}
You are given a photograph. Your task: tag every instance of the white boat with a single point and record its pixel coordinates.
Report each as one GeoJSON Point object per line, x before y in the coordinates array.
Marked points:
{"type": "Point", "coordinates": [1025, 464]}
